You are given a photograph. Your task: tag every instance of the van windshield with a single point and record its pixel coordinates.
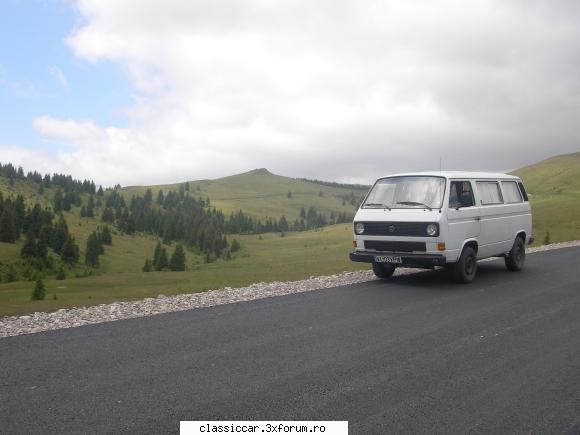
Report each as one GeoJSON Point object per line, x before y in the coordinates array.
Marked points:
{"type": "Point", "coordinates": [406, 192]}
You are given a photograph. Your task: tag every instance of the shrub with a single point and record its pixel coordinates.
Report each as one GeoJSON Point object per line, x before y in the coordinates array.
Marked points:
{"type": "Point", "coordinates": [39, 290]}
{"type": "Point", "coordinates": [11, 274]}
{"type": "Point", "coordinates": [60, 274]}
{"type": "Point", "coordinates": [148, 266]}
{"type": "Point", "coordinates": [547, 240]}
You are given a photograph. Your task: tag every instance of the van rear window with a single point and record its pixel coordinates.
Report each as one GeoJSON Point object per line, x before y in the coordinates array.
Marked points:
{"type": "Point", "coordinates": [511, 193]}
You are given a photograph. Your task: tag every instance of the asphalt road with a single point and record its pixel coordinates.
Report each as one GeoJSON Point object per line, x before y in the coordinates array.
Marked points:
{"type": "Point", "coordinates": [415, 355]}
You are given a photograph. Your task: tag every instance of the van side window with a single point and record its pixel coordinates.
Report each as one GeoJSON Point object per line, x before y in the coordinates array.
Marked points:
{"type": "Point", "coordinates": [461, 195]}
{"type": "Point", "coordinates": [523, 190]}
{"type": "Point", "coordinates": [511, 193]}
{"type": "Point", "coordinates": [489, 192]}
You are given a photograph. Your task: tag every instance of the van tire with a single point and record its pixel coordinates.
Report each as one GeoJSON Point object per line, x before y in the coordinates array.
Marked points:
{"type": "Point", "coordinates": [516, 258]}
{"type": "Point", "coordinates": [383, 271]}
{"type": "Point", "coordinates": [466, 267]}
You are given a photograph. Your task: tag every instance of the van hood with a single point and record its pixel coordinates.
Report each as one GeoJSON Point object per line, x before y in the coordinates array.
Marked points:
{"type": "Point", "coordinates": [397, 215]}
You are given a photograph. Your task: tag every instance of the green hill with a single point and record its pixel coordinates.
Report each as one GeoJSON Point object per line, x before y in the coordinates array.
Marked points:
{"type": "Point", "coordinates": [260, 193]}
{"type": "Point", "coordinates": [554, 188]}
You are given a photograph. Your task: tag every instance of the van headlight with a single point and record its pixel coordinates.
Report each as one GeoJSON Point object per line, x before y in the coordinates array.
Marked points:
{"type": "Point", "coordinates": [359, 228]}
{"type": "Point", "coordinates": [432, 229]}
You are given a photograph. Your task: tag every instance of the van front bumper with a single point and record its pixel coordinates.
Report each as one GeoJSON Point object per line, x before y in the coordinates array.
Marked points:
{"type": "Point", "coordinates": [408, 260]}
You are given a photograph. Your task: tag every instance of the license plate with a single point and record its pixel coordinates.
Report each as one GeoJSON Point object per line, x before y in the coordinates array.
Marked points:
{"type": "Point", "coordinates": [388, 259]}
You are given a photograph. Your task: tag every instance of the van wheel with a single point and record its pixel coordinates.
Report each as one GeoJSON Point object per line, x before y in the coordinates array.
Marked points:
{"type": "Point", "coordinates": [516, 258]}
{"type": "Point", "coordinates": [466, 267]}
{"type": "Point", "coordinates": [383, 271]}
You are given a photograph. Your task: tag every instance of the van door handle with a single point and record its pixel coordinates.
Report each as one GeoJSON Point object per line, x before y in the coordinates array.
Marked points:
{"type": "Point", "coordinates": [477, 218]}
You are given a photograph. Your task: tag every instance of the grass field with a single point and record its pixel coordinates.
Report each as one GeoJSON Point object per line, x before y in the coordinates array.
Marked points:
{"type": "Point", "coordinates": [266, 258]}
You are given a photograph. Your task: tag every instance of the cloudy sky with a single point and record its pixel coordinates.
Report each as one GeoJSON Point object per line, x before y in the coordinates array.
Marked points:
{"type": "Point", "coordinates": [144, 91]}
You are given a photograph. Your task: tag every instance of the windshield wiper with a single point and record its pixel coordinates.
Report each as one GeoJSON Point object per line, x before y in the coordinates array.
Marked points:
{"type": "Point", "coordinates": [414, 203]}
{"type": "Point", "coordinates": [370, 204]}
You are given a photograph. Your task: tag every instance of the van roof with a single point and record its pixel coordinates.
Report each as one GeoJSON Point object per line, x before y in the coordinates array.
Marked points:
{"type": "Point", "coordinates": [457, 174]}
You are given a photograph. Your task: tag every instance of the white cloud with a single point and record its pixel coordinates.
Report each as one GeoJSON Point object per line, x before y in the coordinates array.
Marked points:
{"type": "Point", "coordinates": [328, 89]}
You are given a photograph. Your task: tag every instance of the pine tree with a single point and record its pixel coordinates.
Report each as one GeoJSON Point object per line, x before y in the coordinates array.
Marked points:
{"type": "Point", "coordinates": [162, 261]}
{"type": "Point", "coordinates": [177, 263]}
{"type": "Point", "coordinates": [108, 215]}
{"type": "Point", "coordinates": [8, 229]}
{"type": "Point", "coordinates": [70, 251]}
{"type": "Point", "coordinates": [29, 248]}
{"type": "Point", "coordinates": [100, 191]}
{"type": "Point", "coordinates": [160, 197]}
{"type": "Point", "coordinates": [235, 246]}
{"type": "Point", "coordinates": [59, 235]}
{"type": "Point", "coordinates": [156, 254]}
{"type": "Point", "coordinates": [100, 245]}
{"type": "Point", "coordinates": [91, 207]}
{"type": "Point", "coordinates": [92, 251]}
{"type": "Point", "coordinates": [67, 201]}
{"type": "Point", "coordinates": [39, 290]}
{"type": "Point", "coordinates": [106, 236]}
{"type": "Point", "coordinates": [148, 266]}
{"type": "Point", "coordinates": [57, 202]}
{"type": "Point", "coordinates": [283, 224]}
{"type": "Point", "coordinates": [19, 214]}
{"type": "Point", "coordinates": [41, 250]}
{"type": "Point", "coordinates": [148, 198]}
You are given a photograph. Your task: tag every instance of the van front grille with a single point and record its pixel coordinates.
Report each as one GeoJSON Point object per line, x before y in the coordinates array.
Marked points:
{"type": "Point", "coordinates": [406, 229]}
{"type": "Point", "coordinates": [379, 245]}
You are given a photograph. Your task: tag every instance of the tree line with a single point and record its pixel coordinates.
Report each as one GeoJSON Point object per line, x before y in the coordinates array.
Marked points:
{"type": "Point", "coordinates": [241, 223]}
{"type": "Point", "coordinates": [66, 182]}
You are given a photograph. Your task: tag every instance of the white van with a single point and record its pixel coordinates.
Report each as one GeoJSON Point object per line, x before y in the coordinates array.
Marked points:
{"type": "Point", "coordinates": [443, 219]}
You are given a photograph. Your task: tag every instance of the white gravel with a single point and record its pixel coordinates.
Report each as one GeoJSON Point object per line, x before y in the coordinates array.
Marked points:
{"type": "Point", "coordinates": [68, 318]}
